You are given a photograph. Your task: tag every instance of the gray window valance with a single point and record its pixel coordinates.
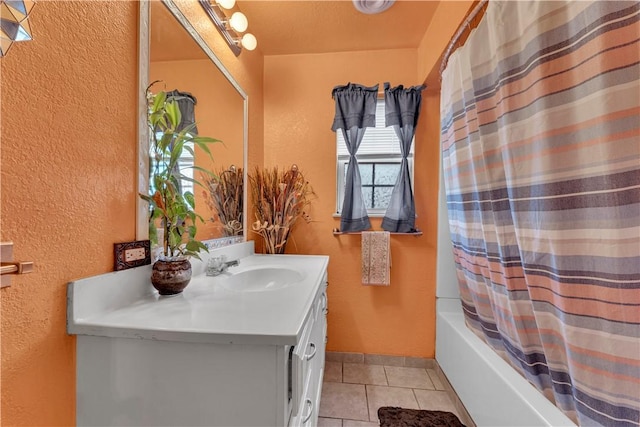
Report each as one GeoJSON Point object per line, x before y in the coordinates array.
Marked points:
{"type": "Point", "coordinates": [355, 106]}
{"type": "Point", "coordinates": [402, 106]}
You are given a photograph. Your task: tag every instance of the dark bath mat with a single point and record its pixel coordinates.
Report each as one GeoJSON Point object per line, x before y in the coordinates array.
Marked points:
{"type": "Point", "coordinates": [397, 417]}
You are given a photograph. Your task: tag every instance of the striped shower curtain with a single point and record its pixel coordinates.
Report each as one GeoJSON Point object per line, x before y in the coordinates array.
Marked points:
{"type": "Point", "coordinates": [540, 121]}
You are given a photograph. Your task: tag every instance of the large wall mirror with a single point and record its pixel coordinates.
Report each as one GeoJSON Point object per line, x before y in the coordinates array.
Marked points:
{"type": "Point", "coordinates": [174, 54]}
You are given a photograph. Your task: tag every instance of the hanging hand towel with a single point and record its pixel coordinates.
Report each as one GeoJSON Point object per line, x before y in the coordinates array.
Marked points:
{"type": "Point", "coordinates": [376, 258]}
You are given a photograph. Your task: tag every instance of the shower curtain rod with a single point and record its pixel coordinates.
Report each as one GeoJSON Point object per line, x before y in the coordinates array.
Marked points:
{"type": "Point", "coordinates": [458, 34]}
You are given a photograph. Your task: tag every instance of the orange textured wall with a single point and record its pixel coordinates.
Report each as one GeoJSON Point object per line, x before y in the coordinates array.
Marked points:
{"type": "Point", "coordinates": [219, 114]}
{"type": "Point", "coordinates": [436, 38]}
{"type": "Point", "coordinates": [68, 180]}
{"type": "Point", "coordinates": [68, 167]}
{"type": "Point", "coordinates": [395, 320]}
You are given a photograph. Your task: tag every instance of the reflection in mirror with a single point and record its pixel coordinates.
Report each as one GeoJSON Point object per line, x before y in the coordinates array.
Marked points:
{"type": "Point", "coordinates": [181, 64]}
{"type": "Point", "coordinates": [224, 198]}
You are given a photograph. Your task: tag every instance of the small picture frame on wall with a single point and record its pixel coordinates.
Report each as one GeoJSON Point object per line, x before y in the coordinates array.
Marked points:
{"type": "Point", "coordinates": [131, 254]}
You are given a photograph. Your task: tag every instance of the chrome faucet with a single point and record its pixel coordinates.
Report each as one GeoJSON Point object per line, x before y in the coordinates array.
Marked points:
{"type": "Point", "coordinates": [218, 265]}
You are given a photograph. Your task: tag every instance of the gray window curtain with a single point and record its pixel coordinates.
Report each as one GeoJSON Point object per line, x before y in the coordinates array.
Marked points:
{"type": "Point", "coordinates": [355, 111]}
{"type": "Point", "coordinates": [402, 108]}
{"type": "Point", "coordinates": [187, 106]}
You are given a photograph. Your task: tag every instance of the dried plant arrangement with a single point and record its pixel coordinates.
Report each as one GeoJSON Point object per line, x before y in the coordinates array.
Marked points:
{"type": "Point", "coordinates": [280, 198]}
{"type": "Point", "coordinates": [224, 196]}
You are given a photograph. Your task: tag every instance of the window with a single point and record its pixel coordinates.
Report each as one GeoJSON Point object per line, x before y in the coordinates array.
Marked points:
{"type": "Point", "coordinates": [379, 159]}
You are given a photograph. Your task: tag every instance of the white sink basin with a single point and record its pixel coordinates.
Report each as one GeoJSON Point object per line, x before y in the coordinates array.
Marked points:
{"type": "Point", "coordinates": [260, 279]}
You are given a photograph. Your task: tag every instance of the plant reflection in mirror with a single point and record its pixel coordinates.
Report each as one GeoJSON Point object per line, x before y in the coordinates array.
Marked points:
{"type": "Point", "coordinates": [169, 206]}
{"type": "Point", "coordinates": [224, 197]}
{"type": "Point", "coordinates": [280, 197]}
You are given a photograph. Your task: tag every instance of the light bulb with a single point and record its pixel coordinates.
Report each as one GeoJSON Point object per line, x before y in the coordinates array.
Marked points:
{"type": "Point", "coordinates": [238, 22]}
{"type": "Point", "coordinates": [249, 41]}
{"type": "Point", "coordinates": [226, 4]}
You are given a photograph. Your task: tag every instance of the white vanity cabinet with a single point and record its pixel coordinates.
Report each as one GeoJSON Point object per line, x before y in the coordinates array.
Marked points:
{"type": "Point", "coordinates": [210, 358]}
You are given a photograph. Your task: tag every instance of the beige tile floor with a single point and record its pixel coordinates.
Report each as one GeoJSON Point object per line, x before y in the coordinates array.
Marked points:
{"type": "Point", "coordinates": [353, 392]}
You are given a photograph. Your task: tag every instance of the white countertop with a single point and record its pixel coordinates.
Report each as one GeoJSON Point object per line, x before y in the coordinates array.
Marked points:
{"type": "Point", "coordinates": [205, 312]}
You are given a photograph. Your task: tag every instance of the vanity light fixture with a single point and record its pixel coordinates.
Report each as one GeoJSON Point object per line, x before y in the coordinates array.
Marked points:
{"type": "Point", "coordinates": [248, 41]}
{"type": "Point", "coordinates": [14, 23]}
{"type": "Point", "coordinates": [226, 4]}
{"type": "Point", "coordinates": [238, 22]}
{"type": "Point", "coordinates": [230, 27]}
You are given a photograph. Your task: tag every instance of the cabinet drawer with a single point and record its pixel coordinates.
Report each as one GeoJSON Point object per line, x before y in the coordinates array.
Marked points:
{"type": "Point", "coordinates": [307, 413]}
{"type": "Point", "coordinates": [308, 364]}
{"type": "Point", "coordinates": [303, 354]}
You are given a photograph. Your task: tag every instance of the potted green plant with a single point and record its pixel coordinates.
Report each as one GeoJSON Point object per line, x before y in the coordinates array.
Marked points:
{"type": "Point", "coordinates": [171, 209]}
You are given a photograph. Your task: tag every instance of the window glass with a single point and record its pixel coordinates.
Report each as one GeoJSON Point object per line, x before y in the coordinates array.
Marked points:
{"type": "Point", "coordinates": [387, 173]}
{"type": "Point", "coordinates": [382, 197]}
{"type": "Point", "coordinates": [366, 173]}
{"type": "Point", "coordinates": [367, 193]}
{"type": "Point", "coordinates": [379, 162]}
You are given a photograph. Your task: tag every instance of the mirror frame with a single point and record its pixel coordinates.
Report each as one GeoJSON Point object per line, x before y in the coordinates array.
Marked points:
{"type": "Point", "coordinates": [144, 40]}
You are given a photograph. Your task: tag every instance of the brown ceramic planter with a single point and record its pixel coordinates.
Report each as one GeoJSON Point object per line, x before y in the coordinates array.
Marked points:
{"type": "Point", "coordinates": [170, 277]}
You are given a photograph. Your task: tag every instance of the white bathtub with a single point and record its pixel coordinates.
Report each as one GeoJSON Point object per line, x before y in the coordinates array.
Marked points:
{"type": "Point", "coordinates": [493, 393]}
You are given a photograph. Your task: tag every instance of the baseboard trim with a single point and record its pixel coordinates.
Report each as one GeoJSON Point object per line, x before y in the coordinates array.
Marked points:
{"type": "Point", "coordinates": [380, 359]}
